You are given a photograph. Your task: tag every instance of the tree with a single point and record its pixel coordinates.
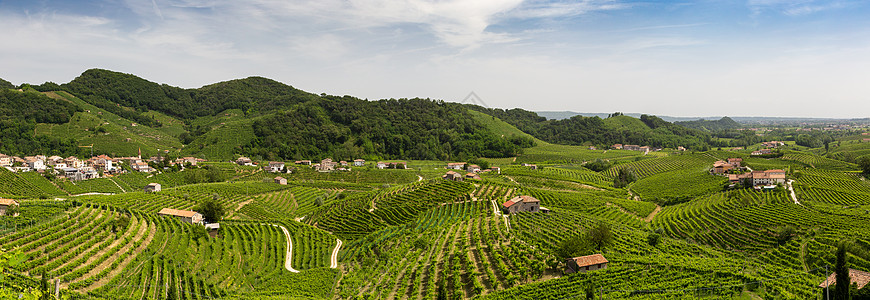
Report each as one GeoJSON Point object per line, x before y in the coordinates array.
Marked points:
{"type": "Point", "coordinates": [864, 162]}
{"type": "Point", "coordinates": [623, 177]}
{"type": "Point", "coordinates": [785, 234]}
{"type": "Point", "coordinates": [600, 235]}
{"type": "Point", "coordinates": [841, 287]}
{"type": "Point", "coordinates": [598, 165]}
{"type": "Point", "coordinates": [211, 209]}
{"type": "Point", "coordinates": [653, 239]}
{"type": "Point", "coordinates": [573, 247]}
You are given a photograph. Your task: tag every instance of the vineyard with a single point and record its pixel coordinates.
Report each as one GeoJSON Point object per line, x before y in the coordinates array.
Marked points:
{"type": "Point", "coordinates": [408, 234]}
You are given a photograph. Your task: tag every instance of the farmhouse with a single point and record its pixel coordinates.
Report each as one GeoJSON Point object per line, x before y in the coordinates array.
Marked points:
{"type": "Point", "coordinates": [644, 149]}
{"type": "Point", "coordinates": [381, 165]}
{"type": "Point", "coordinates": [616, 146]}
{"type": "Point", "coordinates": [769, 177]}
{"type": "Point", "coordinates": [140, 166]}
{"type": "Point", "coordinates": [275, 166]}
{"type": "Point", "coordinates": [522, 204]}
{"type": "Point", "coordinates": [5, 204]}
{"type": "Point", "coordinates": [188, 216]}
{"type": "Point", "coordinates": [456, 165]}
{"type": "Point", "coordinates": [152, 187]}
{"type": "Point", "coordinates": [359, 162]}
{"type": "Point", "coordinates": [472, 176]}
{"type": "Point", "coordinates": [326, 165]}
{"type": "Point", "coordinates": [721, 167]}
{"type": "Point", "coordinates": [497, 170]}
{"type": "Point", "coordinates": [5, 160]}
{"type": "Point", "coordinates": [735, 162]}
{"type": "Point", "coordinates": [473, 169]}
{"type": "Point", "coordinates": [244, 161]}
{"type": "Point", "coordinates": [452, 176]}
{"type": "Point", "coordinates": [631, 147]}
{"type": "Point", "coordinates": [856, 277]}
{"type": "Point", "coordinates": [585, 264]}
{"type": "Point", "coordinates": [772, 144]}
{"type": "Point", "coordinates": [281, 180]}
{"type": "Point", "coordinates": [531, 166]}
{"type": "Point", "coordinates": [342, 163]}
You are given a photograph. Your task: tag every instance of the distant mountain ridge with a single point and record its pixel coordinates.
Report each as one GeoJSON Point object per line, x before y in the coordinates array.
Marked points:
{"type": "Point", "coordinates": [559, 115]}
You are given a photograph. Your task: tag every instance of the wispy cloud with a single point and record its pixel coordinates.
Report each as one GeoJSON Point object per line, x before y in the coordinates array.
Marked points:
{"type": "Point", "coordinates": [793, 7]}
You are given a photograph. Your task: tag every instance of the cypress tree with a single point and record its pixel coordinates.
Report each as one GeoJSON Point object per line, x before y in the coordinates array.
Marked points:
{"type": "Point", "coordinates": [841, 287]}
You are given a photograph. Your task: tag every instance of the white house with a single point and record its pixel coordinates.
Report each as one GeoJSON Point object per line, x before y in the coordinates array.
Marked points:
{"type": "Point", "coordinates": [359, 162]}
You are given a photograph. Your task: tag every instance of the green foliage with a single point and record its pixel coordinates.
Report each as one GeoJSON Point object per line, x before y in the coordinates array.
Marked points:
{"type": "Point", "coordinates": [579, 130]}
{"type": "Point", "coordinates": [6, 84]}
{"type": "Point", "coordinates": [211, 209]}
{"type": "Point", "coordinates": [578, 245]}
{"type": "Point", "coordinates": [842, 281]}
{"type": "Point", "coordinates": [653, 239]}
{"type": "Point", "coordinates": [599, 165]}
{"type": "Point", "coordinates": [725, 123]}
{"type": "Point", "coordinates": [624, 177]}
{"type": "Point", "coordinates": [345, 128]}
{"type": "Point", "coordinates": [600, 236]}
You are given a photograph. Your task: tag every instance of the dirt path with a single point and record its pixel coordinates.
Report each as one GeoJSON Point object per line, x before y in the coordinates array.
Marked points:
{"type": "Point", "coordinates": [118, 185]}
{"type": "Point", "coordinates": [791, 191]}
{"type": "Point", "coordinates": [334, 259]}
{"type": "Point", "coordinates": [653, 214]}
{"type": "Point", "coordinates": [495, 208]}
{"type": "Point", "coordinates": [287, 264]}
{"type": "Point", "coordinates": [239, 207]}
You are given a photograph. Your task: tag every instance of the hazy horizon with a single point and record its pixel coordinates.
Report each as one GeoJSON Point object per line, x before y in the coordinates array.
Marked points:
{"type": "Point", "coordinates": [770, 58]}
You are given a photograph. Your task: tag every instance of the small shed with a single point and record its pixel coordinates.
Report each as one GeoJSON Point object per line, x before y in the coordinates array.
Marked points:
{"type": "Point", "coordinates": [585, 264]}
{"type": "Point", "coordinates": [281, 180]}
{"type": "Point", "coordinates": [5, 204]}
{"type": "Point", "coordinates": [152, 187]}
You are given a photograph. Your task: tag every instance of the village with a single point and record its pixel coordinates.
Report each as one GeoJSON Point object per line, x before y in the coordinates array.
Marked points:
{"type": "Point", "coordinates": [75, 169]}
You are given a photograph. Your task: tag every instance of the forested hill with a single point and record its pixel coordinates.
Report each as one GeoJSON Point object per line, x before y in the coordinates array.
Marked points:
{"type": "Point", "coordinates": [21, 111]}
{"type": "Point", "coordinates": [267, 119]}
{"type": "Point", "coordinates": [105, 89]}
{"type": "Point", "coordinates": [348, 127]}
{"type": "Point", "coordinates": [6, 84]}
{"type": "Point", "coordinates": [616, 129]}
{"type": "Point", "coordinates": [725, 123]}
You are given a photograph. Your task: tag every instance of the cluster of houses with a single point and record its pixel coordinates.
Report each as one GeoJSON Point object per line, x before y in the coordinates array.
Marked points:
{"type": "Point", "coordinates": [724, 167]}
{"type": "Point", "coordinates": [5, 204]}
{"type": "Point", "coordinates": [644, 149]}
{"type": "Point", "coordinates": [76, 169]}
{"type": "Point", "coordinates": [733, 169]}
{"type": "Point", "coordinates": [472, 171]}
{"type": "Point", "coordinates": [325, 165]}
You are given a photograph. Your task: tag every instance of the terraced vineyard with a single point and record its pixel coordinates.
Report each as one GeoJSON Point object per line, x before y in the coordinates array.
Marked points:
{"type": "Point", "coordinates": [386, 234]}
{"type": "Point", "coordinates": [678, 186]}
{"type": "Point", "coordinates": [649, 167]}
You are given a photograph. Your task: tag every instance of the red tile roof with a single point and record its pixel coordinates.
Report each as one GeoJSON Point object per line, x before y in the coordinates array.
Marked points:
{"type": "Point", "coordinates": [590, 260]}
{"type": "Point", "coordinates": [855, 276]}
{"type": "Point", "coordinates": [8, 202]}
{"type": "Point", "coordinates": [177, 212]}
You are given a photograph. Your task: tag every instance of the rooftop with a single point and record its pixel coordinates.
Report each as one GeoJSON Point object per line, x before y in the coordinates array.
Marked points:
{"type": "Point", "coordinates": [177, 212]}
{"type": "Point", "coordinates": [590, 260]}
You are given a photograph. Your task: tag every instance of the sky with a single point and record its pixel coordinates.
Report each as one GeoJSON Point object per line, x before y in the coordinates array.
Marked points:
{"type": "Point", "coordinates": [788, 58]}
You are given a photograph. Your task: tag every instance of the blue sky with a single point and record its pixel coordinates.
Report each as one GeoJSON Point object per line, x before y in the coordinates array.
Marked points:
{"type": "Point", "coordinates": [800, 58]}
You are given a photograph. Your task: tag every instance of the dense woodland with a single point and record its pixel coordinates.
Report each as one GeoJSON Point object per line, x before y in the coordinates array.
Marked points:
{"type": "Point", "coordinates": [580, 130]}
{"type": "Point", "coordinates": [724, 123]}
{"type": "Point", "coordinates": [19, 113]}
